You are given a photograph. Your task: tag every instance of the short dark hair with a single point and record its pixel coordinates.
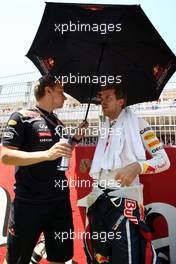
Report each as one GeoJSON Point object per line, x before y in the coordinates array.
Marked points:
{"type": "Point", "coordinates": [119, 90]}
{"type": "Point", "coordinates": [45, 80]}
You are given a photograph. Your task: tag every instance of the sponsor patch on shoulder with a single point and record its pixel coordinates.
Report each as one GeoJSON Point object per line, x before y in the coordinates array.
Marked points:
{"type": "Point", "coordinates": [154, 143]}
{"type": "Point", "coordinates": [149, 135]}
{"type": "Point", "coordinates": [145, 129]}
{"type": "Point", "coordinates": [28, 113]}
{"type": "Point", "coordinates": [157, 149]}
{"type": "Point", "coordinates": [12, 122]}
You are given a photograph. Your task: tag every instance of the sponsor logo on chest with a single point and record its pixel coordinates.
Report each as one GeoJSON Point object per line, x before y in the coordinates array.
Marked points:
{"type": "Point", "coordinates": [44, 134]}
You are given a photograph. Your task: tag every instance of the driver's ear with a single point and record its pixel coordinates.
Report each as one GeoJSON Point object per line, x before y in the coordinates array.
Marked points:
{"type": "Point", "coordinates": [122, 102]}
{"type": "Point", "coordinates": [48, 90]}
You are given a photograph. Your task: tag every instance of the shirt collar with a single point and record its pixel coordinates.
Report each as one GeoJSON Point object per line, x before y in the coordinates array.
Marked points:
{"type": "Point", "coordinates": [44, 111]}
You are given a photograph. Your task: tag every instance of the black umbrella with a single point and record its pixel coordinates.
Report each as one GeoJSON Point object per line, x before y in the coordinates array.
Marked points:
{"type": "Point", "coordinates": [90, 44]}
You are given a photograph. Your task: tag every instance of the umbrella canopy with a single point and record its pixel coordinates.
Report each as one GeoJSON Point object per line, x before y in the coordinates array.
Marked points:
{"type": "Point", "coordinates": [88, 45]}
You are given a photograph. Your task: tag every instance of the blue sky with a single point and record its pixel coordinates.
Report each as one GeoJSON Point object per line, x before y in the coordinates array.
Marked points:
{"type": "Point", "coordinates": [19, 21]}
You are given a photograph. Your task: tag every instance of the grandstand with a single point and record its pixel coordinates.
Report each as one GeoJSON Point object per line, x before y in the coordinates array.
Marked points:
{"type": "Point", "coordinates": [16, 92]}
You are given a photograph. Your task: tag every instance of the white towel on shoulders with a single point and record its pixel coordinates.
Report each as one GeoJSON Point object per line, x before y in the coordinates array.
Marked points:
{"type": "Point", "coordinates": [124, 131]}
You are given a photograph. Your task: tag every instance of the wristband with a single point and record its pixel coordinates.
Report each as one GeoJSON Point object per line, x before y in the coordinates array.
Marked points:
{"type": "Point", "coordinates": [141, 165]}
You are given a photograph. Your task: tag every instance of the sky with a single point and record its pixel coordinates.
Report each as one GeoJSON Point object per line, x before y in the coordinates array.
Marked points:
{"type": "Point", "coordinates": [19, 21]}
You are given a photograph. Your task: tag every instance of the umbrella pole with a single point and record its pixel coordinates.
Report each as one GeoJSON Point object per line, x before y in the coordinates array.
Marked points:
{"type": "Point", "coordinates": [93, 86]}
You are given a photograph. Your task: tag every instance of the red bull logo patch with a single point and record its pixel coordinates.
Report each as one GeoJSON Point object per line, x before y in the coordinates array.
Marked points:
{"type": "Point", "coordinates": [157, 71]}
{"type": "Point", "coordinates": [93, 7]}
{"type": "Point", "coordinates": [148, 169]}
{"type": "Point", "coordinates": [101, 259]}
{"type": "Point", "coordinates": [49, 63]}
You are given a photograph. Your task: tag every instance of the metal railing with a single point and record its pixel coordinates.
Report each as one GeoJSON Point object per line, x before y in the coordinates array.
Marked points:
{"type": "Point", "coordinates": [16, 92]}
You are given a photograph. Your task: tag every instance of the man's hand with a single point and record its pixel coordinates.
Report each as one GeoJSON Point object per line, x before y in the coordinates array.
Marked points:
{"type": "Point", "coordinates": [12, 156]}
{"type": "Point", "coordinates": [126, 175]}
{"type": "Point", "coordinates": [59, 149]}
